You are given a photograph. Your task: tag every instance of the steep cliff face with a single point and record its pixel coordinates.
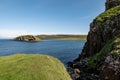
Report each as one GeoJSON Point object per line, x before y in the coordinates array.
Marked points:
{"type": "Point", "coordinates": [105, 27]}
{"type": "Point", "coordinates": [107, 61]}
{"type": "Point", "coordinates": [110, 70]}
{"type": "Point", "coordinates": [100, 58]}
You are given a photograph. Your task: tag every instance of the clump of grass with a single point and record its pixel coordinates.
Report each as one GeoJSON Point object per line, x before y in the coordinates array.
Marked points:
{"type": "Point", "coordinates": [32, 67]}
{"type": "Point", "coordinates": [109, 13]}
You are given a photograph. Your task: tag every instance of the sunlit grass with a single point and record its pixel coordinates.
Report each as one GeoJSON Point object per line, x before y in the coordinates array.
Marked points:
{"type": "Point", "coordinates": [109, 13]}
{"type": "Point", "coordinates": [32, 67]}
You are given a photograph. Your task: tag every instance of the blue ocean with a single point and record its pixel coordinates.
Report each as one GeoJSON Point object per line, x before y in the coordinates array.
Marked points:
{"type": "Point", "coordinates": [64, 50]}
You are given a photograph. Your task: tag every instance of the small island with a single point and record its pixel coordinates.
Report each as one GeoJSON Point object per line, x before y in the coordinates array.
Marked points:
{"type": "Point", "coordinates": [27, 38]}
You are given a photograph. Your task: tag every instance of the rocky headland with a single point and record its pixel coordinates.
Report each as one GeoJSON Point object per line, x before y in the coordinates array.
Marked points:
{"type": "Point", "coordinates": [27, 38]}
{"type": "Point", "coordinates": [100, 57]}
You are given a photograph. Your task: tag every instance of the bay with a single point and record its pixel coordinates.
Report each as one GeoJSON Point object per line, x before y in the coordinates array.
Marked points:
{"type": "Point", "coordinates": [64, 50]}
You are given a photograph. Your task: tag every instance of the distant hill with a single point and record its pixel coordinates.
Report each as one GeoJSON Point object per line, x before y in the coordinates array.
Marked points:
{"type": "Point", "coordinates": [63, 37]}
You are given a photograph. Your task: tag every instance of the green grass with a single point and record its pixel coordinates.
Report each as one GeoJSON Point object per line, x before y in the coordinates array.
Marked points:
{"type": "Point", "coordinates": [109, 13]}
{"type": "Point", "coordinates": [32, 67]}
{"type": "Point", "coordinates": [112, 47]}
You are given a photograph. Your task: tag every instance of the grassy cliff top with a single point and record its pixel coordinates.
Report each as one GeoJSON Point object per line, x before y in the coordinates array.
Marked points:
{"type": "Point", "coordinates": [112, 47]}
{"type": "Point", "coordinates": [109, 13]}
{"type": "Point", "coordinates": [32, 67]}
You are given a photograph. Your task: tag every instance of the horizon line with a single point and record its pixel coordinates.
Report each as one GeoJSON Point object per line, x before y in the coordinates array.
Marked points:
{"type": "Point", "coordinates": [8, 37]}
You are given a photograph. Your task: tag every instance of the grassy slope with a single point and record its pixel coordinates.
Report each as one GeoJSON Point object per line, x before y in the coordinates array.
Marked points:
{"type": "Point", "coordinates": [32, 67]}
{"type": "Point", "coordinates": [112, 47]}
{"type": "Point", "coordinates": [109, 13]}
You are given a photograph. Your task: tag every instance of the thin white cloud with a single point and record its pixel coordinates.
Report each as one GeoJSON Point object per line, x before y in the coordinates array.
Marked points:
{"type": "Point", "coordinates": [4, 33]}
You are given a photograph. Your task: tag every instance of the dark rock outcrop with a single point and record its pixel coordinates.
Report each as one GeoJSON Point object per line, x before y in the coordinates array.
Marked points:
{"type": "Point", "coordinates": [100, 57]}
{"type": "Point", "coordinates": [112, 3]}
{"type": "Point", "coordinates": [110, 70]}
{"type": "Point", "coordinates": [27, 38]}
{"type": "Point", "coordinates": [100, 33]}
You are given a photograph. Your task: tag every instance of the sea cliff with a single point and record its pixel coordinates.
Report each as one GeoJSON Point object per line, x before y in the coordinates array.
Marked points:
{"type": "Point", "coordinates": [100, 57]}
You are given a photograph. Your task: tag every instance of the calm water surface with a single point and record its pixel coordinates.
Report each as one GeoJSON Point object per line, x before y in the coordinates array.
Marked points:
{"type": "Point", "coordinates": [64, 50]}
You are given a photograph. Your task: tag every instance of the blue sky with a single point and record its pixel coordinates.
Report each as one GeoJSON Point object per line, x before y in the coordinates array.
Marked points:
{"type": "Point", "coordinates": [19, 17]}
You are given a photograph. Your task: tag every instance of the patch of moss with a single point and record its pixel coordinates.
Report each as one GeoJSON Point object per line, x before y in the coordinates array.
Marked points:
{"type": "Point", "coordinates": [115, 52]}
{"type": "Point", "coordinates": [32, 67]}
{"type": "Point", "coordinates": [109, 13]}
{"type": "Point", "coordinates": [112, 47]}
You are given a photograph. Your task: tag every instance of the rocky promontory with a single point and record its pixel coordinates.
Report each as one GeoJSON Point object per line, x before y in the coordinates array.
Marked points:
{"type": "Point", "coordinates": [27, 38]}
{"type": "Point", "coordinates": [100, 57]}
